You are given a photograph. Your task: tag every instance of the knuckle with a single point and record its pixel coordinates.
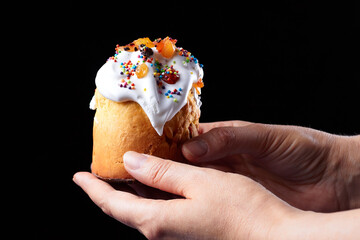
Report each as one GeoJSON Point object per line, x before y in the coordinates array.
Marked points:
{"type": "Point", "coordinates": [158, 171]}
{"type": "Point", "coordinates": [151, 225]}
{"type": "Point", "coordinates": [266, 139]}
{"type": "Point", "coordinates": [153, 233]}
{"type": "Point", "coordinates": [263, 132]}
{"type": "Point", "coordinates": [104, 204]}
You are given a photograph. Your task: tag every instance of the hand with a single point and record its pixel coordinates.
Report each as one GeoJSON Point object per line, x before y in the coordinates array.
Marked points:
{"type": "Point", "coordinates": [214, 204]}
{"type": "Point", "coordinates": [309, 169]}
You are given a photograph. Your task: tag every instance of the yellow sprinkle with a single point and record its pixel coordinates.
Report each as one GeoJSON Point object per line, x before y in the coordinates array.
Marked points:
{"type": "Point", "coordinates": [191, 72]}
{"type": "Point", "coordinates": [144, 89]}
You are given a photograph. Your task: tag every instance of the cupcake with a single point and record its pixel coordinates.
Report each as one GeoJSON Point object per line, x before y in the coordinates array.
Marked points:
{"type": "Point", "coordinates": [146, 100]}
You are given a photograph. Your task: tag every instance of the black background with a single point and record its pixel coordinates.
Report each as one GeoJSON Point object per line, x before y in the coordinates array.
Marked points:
{"type": "Point", "coordinates": [292, 63]}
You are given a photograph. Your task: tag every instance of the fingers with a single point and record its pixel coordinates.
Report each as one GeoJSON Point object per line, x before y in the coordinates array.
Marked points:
{"type": "Point", "coordinates": [205, 127]}
{"type": "Point", "coordinates": [155, 172]}
{"type": "Point", "coordinates": [228, 139]}
{"type": "Point", "coordinates": [162, 174]}
{"type": "Point", "coordinates": [123, 206]}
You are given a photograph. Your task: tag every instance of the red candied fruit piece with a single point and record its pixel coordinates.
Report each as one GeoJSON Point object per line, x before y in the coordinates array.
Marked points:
{"type": "Point", "coordinates": [171, 78]}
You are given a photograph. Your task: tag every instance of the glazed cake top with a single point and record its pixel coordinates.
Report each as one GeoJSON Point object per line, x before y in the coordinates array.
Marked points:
{"type": "Point", "coordinates": [157, 75]}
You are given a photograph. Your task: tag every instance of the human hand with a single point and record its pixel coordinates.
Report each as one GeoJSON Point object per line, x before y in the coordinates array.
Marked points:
{"type": "Point", "coordinates": [214, 204]}
{"type": "Point", "coordinates": [309, 169]}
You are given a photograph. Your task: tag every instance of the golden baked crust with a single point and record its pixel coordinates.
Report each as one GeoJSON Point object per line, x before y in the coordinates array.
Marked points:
{"type": "Point", "coordinates": [123, 126]}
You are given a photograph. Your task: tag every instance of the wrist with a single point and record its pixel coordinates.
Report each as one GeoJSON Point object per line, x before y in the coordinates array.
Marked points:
{"type": "Point", "coordinates": [279, 222]}
{"type": "Point", "coordinates": [312, 225]}
{"type": "Point", "coordinates": [291, 225]}
{"type": "Point", "coordinates": [267, 221]}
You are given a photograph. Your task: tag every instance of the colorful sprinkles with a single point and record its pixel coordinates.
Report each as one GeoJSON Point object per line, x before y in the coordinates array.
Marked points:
{"type": "Point", "coordinates": [127, 69]}
{"type": "Point", "coordinates": [167, 74]}
{"type": "Point", "coordinates": [188, 55]}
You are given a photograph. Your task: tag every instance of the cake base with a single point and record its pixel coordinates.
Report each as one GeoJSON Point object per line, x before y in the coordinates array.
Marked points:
{"type": "Point", "coordinates": [124, 126]}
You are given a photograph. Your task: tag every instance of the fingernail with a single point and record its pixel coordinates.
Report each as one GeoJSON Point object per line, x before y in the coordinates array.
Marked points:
{"type": "Point", "coordinates": [196, 148]}
{"type": "Point", "coordinates": [134, 160]}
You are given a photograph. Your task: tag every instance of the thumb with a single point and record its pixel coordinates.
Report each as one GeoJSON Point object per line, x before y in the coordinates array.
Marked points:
{"type": "Point", "coordinates": [226, 141]}
{"type": "Point", "coordinates": [166, 175]}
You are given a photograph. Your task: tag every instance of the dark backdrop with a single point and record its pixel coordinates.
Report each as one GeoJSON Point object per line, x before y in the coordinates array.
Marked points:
{"type": "Point", "coordinates": [292, 63]}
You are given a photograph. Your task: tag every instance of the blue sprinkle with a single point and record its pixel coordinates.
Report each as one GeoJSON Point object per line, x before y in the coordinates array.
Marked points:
{"type": "Point", "coordinates": [180, 89]}
{"type": "Point", "coordinates": [166, 94]}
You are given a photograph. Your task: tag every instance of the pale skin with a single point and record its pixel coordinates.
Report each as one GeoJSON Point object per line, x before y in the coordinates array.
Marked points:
{"type": "Point", "coordinates": [245, 181]}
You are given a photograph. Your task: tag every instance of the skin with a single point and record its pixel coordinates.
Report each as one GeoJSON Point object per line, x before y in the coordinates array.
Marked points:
{"type": "Point", "coordinates": [246, 181]}
{"type": "Point", "coordinates": [298, 164]}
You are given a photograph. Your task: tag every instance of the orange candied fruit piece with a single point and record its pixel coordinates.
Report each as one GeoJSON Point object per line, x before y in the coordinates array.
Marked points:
{"type": "Point", "coordinates": [142, 70]}
{"type": "Point", "coordinates": [166, 47]}
{"type": "Point", "coordinates": [146, 41]}
{"type": "Point", "coordinates": [198, 84]}
{"type": "Point", "coordinates": [134, 46]}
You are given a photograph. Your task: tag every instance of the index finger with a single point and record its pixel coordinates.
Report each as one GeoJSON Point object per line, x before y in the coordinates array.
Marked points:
{"type": "Point", "coordinates": [205, 127]}
{"type": "Point", "coordinates": [123, 206]}
{"type": "Point", "coordinates": [220, 142]}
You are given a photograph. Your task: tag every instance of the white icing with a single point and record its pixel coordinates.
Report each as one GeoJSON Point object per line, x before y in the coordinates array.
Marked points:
{"type": "Point", "coordinates": [158, 107]}
{"type": "Point", "coordinates": [92, 104]}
